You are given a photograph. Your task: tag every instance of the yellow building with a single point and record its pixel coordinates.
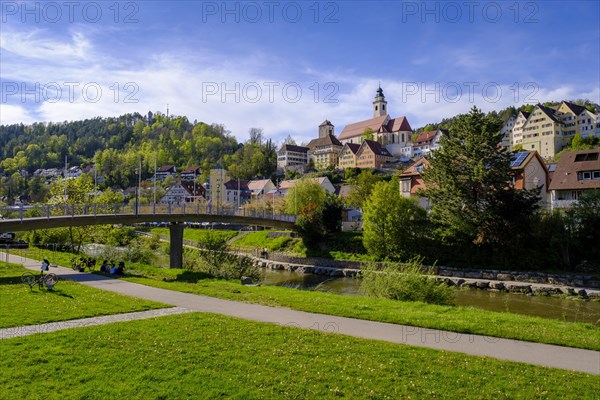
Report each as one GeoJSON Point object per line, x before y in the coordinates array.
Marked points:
{"type": "Point", "coordinates": [324, 151]}
{"type": "Point", "coordinates": [569, 115]}
{"type": "Point", "coordinates": [550, 129]}
{"type": "Point", "coordinates": [347, 157]}
{"type": "Point", "coordinates": [215, 187]}
{"type": "Point", "coordinates": [516, 135]}
{"type": "Point", "coordinates": [543, 132]}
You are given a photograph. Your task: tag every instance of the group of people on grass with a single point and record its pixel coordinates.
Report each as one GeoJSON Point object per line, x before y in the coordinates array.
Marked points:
{"type": "Point", "coordinates": [106, 267]}
{"type": "Point", "coordinates": [110, 267]}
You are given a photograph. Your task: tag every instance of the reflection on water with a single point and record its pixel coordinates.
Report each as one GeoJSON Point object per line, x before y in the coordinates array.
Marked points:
{"type": "Point", "coordinates": [566, 309]}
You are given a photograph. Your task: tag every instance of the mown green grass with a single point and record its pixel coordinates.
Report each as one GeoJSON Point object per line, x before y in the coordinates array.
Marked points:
{"type": "Point", "coordinates": [456, 319]}
{"type": "Point", "coordinates": [69, 300]}
{"type": "Point", "coordinates": [261, 239]}
{"type": "Point", "coordinates": [205, 356]}
{"type": "Point", "coordinates": [198, 235]}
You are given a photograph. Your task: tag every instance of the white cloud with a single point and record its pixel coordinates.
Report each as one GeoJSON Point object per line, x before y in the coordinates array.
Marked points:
{"type": "Point", "coordinates": [182, 81]}
{"type": "Point", "coordinates": [37, 44]}
{"type": "Point", "coordinates": [12, 114]}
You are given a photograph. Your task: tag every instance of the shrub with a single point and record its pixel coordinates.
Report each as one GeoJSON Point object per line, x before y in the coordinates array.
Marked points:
{"type": "Point", "coordinates": [216, 261]}
{"type": "Point", "coordinates": [405, 282]}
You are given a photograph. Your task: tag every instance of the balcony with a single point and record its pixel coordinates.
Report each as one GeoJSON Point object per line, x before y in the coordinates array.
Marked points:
{"type": "Point", "coordinates": [563, 203]}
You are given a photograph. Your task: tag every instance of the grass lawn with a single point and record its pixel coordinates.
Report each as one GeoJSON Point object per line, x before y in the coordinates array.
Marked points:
{"type": "Point", "coordinates": [456, 319]}
{"type": "Point", "coordinates": [198, 235]}
{"type": "Point", "coordinates": [261, 239]}
{"type": "Point", "coordinates": [69, 300]}
{"type": "Point", "coordinates": [205, 356]}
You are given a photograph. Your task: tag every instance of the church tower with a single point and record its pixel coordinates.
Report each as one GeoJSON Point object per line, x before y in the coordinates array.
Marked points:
{"type": "Point", "coordinates": [326, 128]}
{"type": "Point", "coordinates": [379, 104]}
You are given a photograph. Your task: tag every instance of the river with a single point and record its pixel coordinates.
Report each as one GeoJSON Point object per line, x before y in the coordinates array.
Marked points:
{"type": "Point", "coordinates": [563, 308]}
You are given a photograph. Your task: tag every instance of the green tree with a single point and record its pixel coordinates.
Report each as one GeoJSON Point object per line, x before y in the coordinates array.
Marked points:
{"type": "Point", "coordinates": [468, 185]}
{"type": "Point", "coordinates": [361, 188]}
{"type": "Point", "coordinates": [307, 200]}
{"type": "Point", "coordinates": [578, 143]}
{"type": "Point", "coordinates": [332, 213]}
{"type": "Point", "coordinates": [368, 134]}
{"type": "Point", "coordinates": [303, 194]}
{"type": "Point", "coordinates": [392, 224]}
{"type": "Point", "coordinates": [586, 218]}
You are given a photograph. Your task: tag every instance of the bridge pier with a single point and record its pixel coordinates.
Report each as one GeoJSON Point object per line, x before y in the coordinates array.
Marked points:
{"type": "Point", "coordinates": [176, 253]}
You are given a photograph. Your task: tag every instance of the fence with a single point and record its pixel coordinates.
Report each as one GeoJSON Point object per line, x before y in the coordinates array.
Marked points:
{"type": "Point", "coordinates": [64, 210]}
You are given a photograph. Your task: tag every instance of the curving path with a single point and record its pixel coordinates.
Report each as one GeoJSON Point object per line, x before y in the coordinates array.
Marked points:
{"type": "Point", "coordinates": [580, 360]}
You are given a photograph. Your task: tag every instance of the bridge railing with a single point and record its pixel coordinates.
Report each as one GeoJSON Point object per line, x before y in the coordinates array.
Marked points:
{"type": "Point", "coordinates": [23, 213]}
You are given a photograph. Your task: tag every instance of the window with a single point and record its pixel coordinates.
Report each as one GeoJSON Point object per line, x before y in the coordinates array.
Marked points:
{"type": "Point", "coordinates": [596, 175]}
{"type": "Point", "coordinates": [586, 157]}
{"type": "Point", "coordinates": [586, 175]}
{"type": "Point", "coordinates": [405, 186]}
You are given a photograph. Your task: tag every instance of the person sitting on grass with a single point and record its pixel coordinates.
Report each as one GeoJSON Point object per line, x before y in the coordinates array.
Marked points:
{"type": "Point", "coordinates": [104, 267]}
{"type": "Point", "coordinates": [113, 268]}
{"type": "Point", "coordinates": [120, 268]}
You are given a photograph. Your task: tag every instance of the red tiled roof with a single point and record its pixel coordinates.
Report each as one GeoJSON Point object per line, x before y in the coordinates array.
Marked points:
{"type": "Point", "coordinates": [398, 124]}
{"type": "Point", "coordinates": [353, 147]}
{"type": "Point", "coordinates": [412, 170]}
{"type": "Point", "coordinates": [326, 122]}
{"type": "Point", "coordinates": [189, 186]}
{"type": "Point", "coordinates": [565, 176]}
{"type": "Point", "coordinates": [358, 128]}
{"type": "Point", "coordinates": [166, 168]}
{"type": "Point", "coordinates": [377, 124]}
{"type": "Point", "coordinates": [376, 148]}
{"type": "Point", "coordinates": [258, 184]}
{"type": "Point", "coordinates": [324, 141]}
{"type": "Point", "coordinates": [190, 170]}
{"type": "Point", "coordinates": [425, 137]}
{"type": "Point", "coordinates": [233, 184]}
{"type": "Point", "coordinates": [294, 148]}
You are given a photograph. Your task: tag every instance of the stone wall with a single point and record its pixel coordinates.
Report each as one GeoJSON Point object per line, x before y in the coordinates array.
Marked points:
{"type": "Point", "coordinates": [534, 283]}
{"type": "Point", "coordinates": [578, 280]}
{"type": "Point", "coordinates": [520, 276]}
{"type": "Point", "coordinates": [324, 262]}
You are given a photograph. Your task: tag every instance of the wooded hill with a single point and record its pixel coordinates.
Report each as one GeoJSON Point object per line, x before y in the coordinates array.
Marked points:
{"type": "Point", "coordinates": [117, 144]}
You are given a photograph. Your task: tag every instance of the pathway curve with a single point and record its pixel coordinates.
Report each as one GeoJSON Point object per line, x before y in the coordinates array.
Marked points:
{"type": "Point", "coordinates": [504, 349]}
{"type": "Point", "coordinates": [7, 333]}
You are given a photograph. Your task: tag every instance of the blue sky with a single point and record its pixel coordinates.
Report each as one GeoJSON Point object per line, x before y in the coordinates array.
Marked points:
{"type": "Point", "coordinates": [287, 66]}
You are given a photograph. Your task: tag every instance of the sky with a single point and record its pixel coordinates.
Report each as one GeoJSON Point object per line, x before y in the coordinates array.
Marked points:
{"type": "Point", "coordinates": [285, 66]}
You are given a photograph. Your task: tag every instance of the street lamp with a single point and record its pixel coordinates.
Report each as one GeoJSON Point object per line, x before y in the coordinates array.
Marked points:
{"type": "Point", "coordinates": [137, 189]}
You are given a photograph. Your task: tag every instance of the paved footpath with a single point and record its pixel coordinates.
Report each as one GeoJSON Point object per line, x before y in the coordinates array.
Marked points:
{"type": "Point", "coordinates": [504, 349]}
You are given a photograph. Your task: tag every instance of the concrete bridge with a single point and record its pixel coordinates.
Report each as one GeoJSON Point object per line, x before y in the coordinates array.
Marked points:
{"type": "Point", "coordinates": [46, 216]}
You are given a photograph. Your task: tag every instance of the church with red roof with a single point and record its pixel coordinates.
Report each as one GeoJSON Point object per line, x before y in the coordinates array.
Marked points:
{"type": "Point", "coordinates": [395, 134]}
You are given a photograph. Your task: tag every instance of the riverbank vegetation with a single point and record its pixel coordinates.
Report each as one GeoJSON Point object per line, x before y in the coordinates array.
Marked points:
{"type": "Point", "coordinates": [68, 300]}
{"type": "Point", "coordinates": [405, 282]}
{"type": "Point", "coordinates": [206, 356]}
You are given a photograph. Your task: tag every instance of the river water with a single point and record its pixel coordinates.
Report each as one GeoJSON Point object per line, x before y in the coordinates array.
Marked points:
{"type": "Point", "coordinates": [554, 307]}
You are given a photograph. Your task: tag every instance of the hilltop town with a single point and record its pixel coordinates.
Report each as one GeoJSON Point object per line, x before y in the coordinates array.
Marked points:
{"type": "Point", "coordinates": [227, 173]}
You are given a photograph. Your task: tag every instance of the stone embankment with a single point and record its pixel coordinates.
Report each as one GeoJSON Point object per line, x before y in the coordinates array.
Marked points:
{"type": "Point", "coordinates": [531, 283]}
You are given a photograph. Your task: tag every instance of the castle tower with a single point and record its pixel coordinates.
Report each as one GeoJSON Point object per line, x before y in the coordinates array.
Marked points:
{"type": "Point", "coordinates": [326, 128]}
{"type": "Point", "coordinates": [379, 104]}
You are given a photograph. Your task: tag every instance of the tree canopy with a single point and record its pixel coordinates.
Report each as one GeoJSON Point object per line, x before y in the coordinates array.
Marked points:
{"type": "Point", "coordinates": [469, 184]}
